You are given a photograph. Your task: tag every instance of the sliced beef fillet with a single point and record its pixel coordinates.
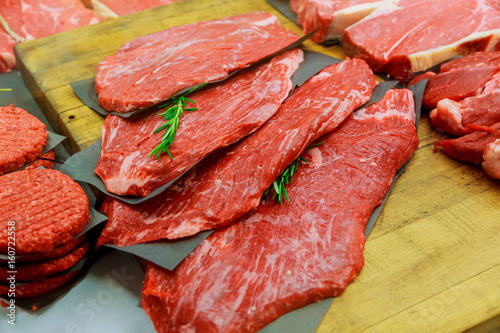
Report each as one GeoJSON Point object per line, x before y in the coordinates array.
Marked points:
{"type": "Point", "coordinates": [223, 189]}
{"type": "Point", "coordinates": [226, 113]}
{"type": "Point", "coordinates": [31, 19]}
{"type": "Point", "coordinates": [7, 59]}
{"type": "Point", "coordinates": [279, 258]}
{"type": "Point", "coordinates": [114, 8]}
{"type": "Point", "coordinates": [46, 208]}
{"type": "Point", "coordinates": [22, 138]}
{"type": "Point", "coordinates": [38, 271]}
{"type": "Point", "coordinates": [470, 147]}
{"type": "Point", "coordinates": [478, 59]}
{"type": "Point", "coordinates": [454, 85]}
{"type": "Point", "coordinates": [413, 35]}
{"type": "Point", "coordinates": [332, 16]}
{"type": "Point", "coordinates": [483, 109]}
{"type": "Point", "coordinates": [153, 68]}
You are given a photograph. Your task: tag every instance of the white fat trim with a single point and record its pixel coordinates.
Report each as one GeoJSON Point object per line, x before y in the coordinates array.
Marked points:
{"type": "Point", "coordinates": [11, 32]}
{"type": "Point", "coordinates": [423, 60]}
{"type": "Point", "coordinates": [269, 21]}
{"type": "Point", "coordinates": [102, 10]}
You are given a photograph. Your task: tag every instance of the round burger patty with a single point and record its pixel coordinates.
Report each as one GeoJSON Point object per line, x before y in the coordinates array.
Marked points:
{"type": "Point", "coordinates": [39, 287]}
{"type": "Point", "coordinates": [42, 209]}
{"type": "Point", "coordinates": [22, 138]}
{"type": "Point", "coordinates": [38, 271]}
{"type": "Point", "coordinates": [46, 160]}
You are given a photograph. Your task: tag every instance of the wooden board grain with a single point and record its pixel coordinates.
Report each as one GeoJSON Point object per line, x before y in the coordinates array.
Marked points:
{"type": "Point", "coordinates": [432, 259]}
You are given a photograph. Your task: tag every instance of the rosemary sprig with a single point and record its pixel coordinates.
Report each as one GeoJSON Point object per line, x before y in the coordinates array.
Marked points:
{"type": "Point", "coordinates": [6, 89]}
{"type": "Point", "coordinates": [286, 177]}
{"type": "Point", "coordinates": [174, 110]}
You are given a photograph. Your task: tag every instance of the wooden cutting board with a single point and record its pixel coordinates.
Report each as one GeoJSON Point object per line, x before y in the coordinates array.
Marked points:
{"type": "Point", "coordinates": [433, 257]}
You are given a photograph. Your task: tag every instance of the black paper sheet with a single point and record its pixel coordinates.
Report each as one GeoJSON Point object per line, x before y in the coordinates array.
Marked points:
{"type": "Point", "coordinates": [85, 89]}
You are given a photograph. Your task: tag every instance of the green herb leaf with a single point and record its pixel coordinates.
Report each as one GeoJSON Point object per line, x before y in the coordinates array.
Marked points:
{"type": "Point", "coordinates": [174, 110]}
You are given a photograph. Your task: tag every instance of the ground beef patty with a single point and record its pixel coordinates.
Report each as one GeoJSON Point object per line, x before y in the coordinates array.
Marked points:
{"type": "Point", "coordinates": [37, 271]}
{"type": "Point", "coordinates": [39, 287]}
{"type": "Point", "coordinates": [22, 138]}
{"type": "Point", "coordinates": [54, 254]}
{"type": "Point", "coordinates": [46, 161]}
{"type": "Point", "coordinates": [48, 209]}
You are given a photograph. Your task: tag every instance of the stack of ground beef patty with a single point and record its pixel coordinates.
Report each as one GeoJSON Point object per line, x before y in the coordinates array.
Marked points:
{"type": "Point", "coordinates": [42, 211]}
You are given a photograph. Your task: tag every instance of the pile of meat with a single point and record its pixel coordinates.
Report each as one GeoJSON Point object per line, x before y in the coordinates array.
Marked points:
{"type": "Point", "coordinates": [465, 96]}
{"type": "Point", "coordinates": [400, 37]}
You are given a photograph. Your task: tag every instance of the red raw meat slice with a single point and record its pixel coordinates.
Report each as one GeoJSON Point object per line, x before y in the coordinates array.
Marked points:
{"type": "Point", "coordinates": [7, 59]}
{"type": "Point", "coordinates": [413, 35]}
{"type": "Point", "coordinates": [456, 85]}
{"type": "Point", "coordinates": [478, 59]}
{"type": "Point", "coordinates": [491, 157]}
{"type": "Point", "coordinates": [332, 16]}
{"type": "Point", "coordinates": [470, 147]}
{"type": "Point", "coordinates": [114, 8]}
{"type": "Point", "coordinates": [279, 258]}
{"type": "Point", "coordinates": [153, 68]}
{"type": "Point", "coordinates": [17, 149]}
{"type": "Point", "coordinates": [31, 19]}
{"type": "Point", "coordinates": [484, 110]}
{"type": "Point", "coordinates": [421, 77]}
{"type": "Point", "coordinates": [226, 114]}
{"type": "Point", "coordinates": [222, 190]}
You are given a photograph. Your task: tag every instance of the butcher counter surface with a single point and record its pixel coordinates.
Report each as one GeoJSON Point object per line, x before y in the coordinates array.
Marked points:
{"type": "Point", "coordinates": [432, 261]}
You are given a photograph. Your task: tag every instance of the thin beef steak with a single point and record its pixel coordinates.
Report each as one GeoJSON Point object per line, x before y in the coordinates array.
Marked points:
{"type": "Point", "coordinates": [483, 109]}
{"type": "Point", "coordinates": [222, 190]}
{"type": "Point", "coordinates": [413, 35]}
{"type": "Point", "coordinates": [226, 113]}
{"type": "Point", "coordinates": [279, 258]}
{"type": "Point", "coordinates": [153, 68]}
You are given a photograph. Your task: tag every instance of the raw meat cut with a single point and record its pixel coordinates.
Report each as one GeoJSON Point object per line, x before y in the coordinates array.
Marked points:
{"type": "Point", "coordinates": [332, 16]}
{"type": "Point", "coordinates": [491, 157]}
{"type": "Point", "coordinates": [47, 207]}
{"type": "Point", "coordinates": [413, 35]}
{"type": "Point", "coordinates": [222, 189]}
{"type": "Point", "coordinates": [282, 257]}
{"type": "Point", "coordinates": [42, 270]}
{"type": "Point", "coordinates": [151, 69]}
{"type": "Point", "coordinates": [31, 19]}
{"type": "Point", "coordinates": [7, 59]}
{"type": "Point", "coordinates": [484, 110]}
{"type": "Point", "coordinates": [226, 113]}
{"type": "Point", "coordinates": [17, 149]}
{"type": "Point", "coordinates": [478, 59]}
{"type": "Point", "coordinates": [114, 8]}
{"type": "Point", "coordinates": [455, 85]}
{"type": "Point", "coordinates": [46, 161]}
{"type": "Point", "coordinates": [470, 147]}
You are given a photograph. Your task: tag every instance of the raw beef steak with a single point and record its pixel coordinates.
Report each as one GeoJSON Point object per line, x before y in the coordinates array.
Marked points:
{"type": "Point", "coordinates": [478, 59]}
{"type": "Point", "coordinates": [470, 147]}
{"type": "Point", "coordinates": [22, 138]}
{"type": "Point", "coordinates": [484, 109]}
{"type": "Point", "coordinates": [7, 59]}
{"type": "Point", "coordinates": [47, 207]}
{"type": "Point", "coordinates": [31, 19]}
{"type": "Point", "coordinates": [413, 35]}
{"type": "Point", "coordinates": [332, 16]}
{"type": "Point", "coordinates": [114, 8]}
{"type": "Point", "coordinates": [279, 258]}
{"type": "Point", "coordinates": [226, 113]}
{"type": "Point", "coordinates": [153, 68]}
{"type": "Point", "coordinates": [223, 189]}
